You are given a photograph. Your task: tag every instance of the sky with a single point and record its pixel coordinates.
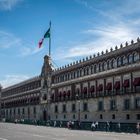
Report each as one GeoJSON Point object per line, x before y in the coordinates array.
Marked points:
{"type": "Point", "coordinates": [79, 28]}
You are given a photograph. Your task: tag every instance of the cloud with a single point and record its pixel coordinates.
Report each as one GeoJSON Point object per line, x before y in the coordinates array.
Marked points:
{"type": "Point", "coordinates": [23, 47]}
{"type": "Point", "coordinates": [9, 80]}
{"type": "Point", "coordinates": [113, 28]}
{"type": "Point", "coordinates": [8, 40]}
{"type": "Point", "coordinates": [9, 4]}
{"type": "Point", "coordinates": [105, 38]}
{"type": "Point", "coordinates": [29, 50]}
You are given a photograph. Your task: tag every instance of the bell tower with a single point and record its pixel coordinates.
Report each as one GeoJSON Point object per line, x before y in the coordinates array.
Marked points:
{"type": "Point", "coordinates": [46, 87]}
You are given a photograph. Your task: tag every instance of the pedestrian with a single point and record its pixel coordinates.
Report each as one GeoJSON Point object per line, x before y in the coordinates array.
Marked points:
{"type": "Point", "coordinates": [60, 123]}
{"type": "Point", "coordinates": [107, 126]}
{"type": "Point", "coordinates": [119, 126]}
{"type": "Point", "coordinates": [93, 126]}
{"type": "Point", "coordinates": [54, 123]}
{"type": "Point", "coordinates": [138, 127]}
{"type": "Point", "coordinates": [96, 125]}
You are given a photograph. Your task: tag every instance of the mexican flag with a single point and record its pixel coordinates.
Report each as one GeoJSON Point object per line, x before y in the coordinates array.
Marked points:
{"type": "Point", "coordinates": [46, 35]}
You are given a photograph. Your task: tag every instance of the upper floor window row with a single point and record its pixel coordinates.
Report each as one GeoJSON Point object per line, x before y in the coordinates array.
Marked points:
{"type": "Point", "coordinates": [99, 67]}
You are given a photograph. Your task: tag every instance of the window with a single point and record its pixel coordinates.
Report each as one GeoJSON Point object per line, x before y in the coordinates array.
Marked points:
{"type": "Point", "coordinates": [112, 105]}
{"type": "Point", "coordinates": [99, 69]}
{"type": "Point", "coordinates": [23, 111]}
{"type": "Point", "coordinates": [56, 117]}
{"type": "Point", "coordinates": [100, 106]}
{"type": "Point", "coordinates": [119, 62]}
{"type": "Point", "coordinates": [78, 73]}
{"type": "Point", "coordinates": [127, 116]}
{"type": "Point", "coordinates": [124, 60]}
{"type": "Point", "coordinates": [85, 107]}
{"type": "Point", "coordinates": [113, 116]}
{"type": "Point", "coordinates": [126, 104]}
{"type": "Point", "coordinates": [130, 58]}
{"type": "Point", "coordinates": [28, 111]}
{"type": "Point", "coordinates": [73, 116]}
{"type": "Point", "coordinates": [136, 57]}
{"type": "Point", "coordinates": [18, 111]}
{"type": "Point", "coordinates": [64, 116]}
{"type": "Point", "coordinates": [85, 116]}
{"type": "Point", "coordinates": [101, 116]}
{"type": "Point", "coordinates": [34, 110]}
{"type": "Point", "coordinates": [44, 97]}
{"type": "Point", "coordinates": [138, 116]}
{"type": "Point", "coordinates": [91, 69]}
{"type": "Point", "coordinates": [95, 69]}
{"type": "Point", "coordinates": [137, 103]}
{"type": "Point", "coordinates": [56, 109]}
{"type": "Point", "coordinates": [64, 108]}
{"type": "Point", "coordinates": [73, 107]}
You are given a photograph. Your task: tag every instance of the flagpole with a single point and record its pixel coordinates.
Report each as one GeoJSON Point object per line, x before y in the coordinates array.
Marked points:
{"type": "Point", "coordinates": [50, 41]}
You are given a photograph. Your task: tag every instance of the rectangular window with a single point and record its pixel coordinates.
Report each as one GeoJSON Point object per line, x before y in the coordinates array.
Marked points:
{"type": "Point", "coordinates": [137, 103]}
{"type": "Point", "coordinates": [127, 116]}
{"type": "Point", "coordinates": [138, 116]}
{"type": "Point", "coordinates": [56, 109]}
{"type": "Point", "coordinates": [23, 111]}
{"type": "Point", "coordinates": [34, 110]}
{"type": "Point", "coordinates": [85, 107]}
{"type": "Point", "coordinates": [18, 111]}
{"type": "Point", "coordinates": [64, 108]}
{"type": "Point", "coordinates": [100, 106]}
{"type": "Point", "coordinates": [112, 105]}
{"type": "Point", "coordinates": [126, 104]}
{"type": "Point", "coordinates": [73, 107]}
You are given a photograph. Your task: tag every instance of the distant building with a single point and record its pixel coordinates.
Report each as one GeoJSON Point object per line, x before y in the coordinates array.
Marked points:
{"type": "Point", "coordinates": [99, 88]}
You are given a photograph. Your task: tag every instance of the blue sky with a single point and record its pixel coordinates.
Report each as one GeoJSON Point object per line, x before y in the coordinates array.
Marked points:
{"type": "Point", "coordinates": [79, 28]}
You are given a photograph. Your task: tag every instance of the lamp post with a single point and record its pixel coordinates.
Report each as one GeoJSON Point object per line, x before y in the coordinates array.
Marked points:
{"type": "Point", "coordinates": [78, 98]}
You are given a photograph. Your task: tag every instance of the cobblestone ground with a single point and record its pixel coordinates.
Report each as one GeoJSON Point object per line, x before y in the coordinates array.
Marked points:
{"type": "Point", "coordinates": [9, 131]}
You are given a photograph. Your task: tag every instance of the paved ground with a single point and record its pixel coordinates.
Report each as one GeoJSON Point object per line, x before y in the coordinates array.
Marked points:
{"type": "Point", "coordinates": [9, 131]}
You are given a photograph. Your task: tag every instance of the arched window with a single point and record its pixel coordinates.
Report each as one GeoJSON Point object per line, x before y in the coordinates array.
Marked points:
{"type": "Point", "coordinates": [119, 61]}
{"type": "Point", "coordinates": [74, 74]}
{"type": "Point", "coordinates": [87, 70]}
{"type": "Point", "coordinates": [68, 76]}
{"type": "Point", "coordinates": [91, 69]}
{"type": "Point", "coordinates": [113, 63]}
{"type": "Point", "coordinates": [84, 71]}
{"type": "Point", "coordinates": [105, 65]}
{"type": "Point", "coordinates": [102, 66]}
{"type": "Point", "coordinates": [130, 58]}
{"type": "Point", "coordinates": [77, 73]}
{"type": "Point", "coordinates": [95, 68]}
{"type": "Point", "coordinates": [80, 72]}
{"type": "Point", "coordinates": [136, 57]}
{"type": "Point", "coordinates": [99, 67]}
{"type": "Point", "coordinates": [124, 60]}
{"type": "Point", "coordinates": [108, 64]}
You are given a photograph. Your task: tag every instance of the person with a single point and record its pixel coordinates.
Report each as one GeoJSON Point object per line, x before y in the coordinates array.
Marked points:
{"type": "Point", "coordinates": [107, 126]}
{"type": "Point", "coordinates": [119, 126]}
{"type": "Point", "coordinates": [93, 126]}
{"type": "Point", "coordinates": [138, 127]}
{"type": "Point", "coordinates": [54, 123]}
{"type": "Point", "coordinates": [96, 125]}
{"type": "Point", "coordinates": [60, 123]}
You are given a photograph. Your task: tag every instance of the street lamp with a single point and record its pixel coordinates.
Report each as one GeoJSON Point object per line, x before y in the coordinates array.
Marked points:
{"type": "Point", "coordinates": [78, 99]}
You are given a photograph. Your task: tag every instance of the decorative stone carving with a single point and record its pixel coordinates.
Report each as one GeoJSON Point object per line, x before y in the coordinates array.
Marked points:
{"type": "Point", "coordinates": [138, 39]}
{"type": "Point", "coordinates": [111, 49]}
{"type": "Point", "coordinates": [132, 42]}
{"type": "Point", "coordinates": [116, 47]}
{"type": "Point", "coordinates": [106, 50]}
{"type": "Point", "coordinates": [126, 44]}
{"type": "Point", "coordinates": [121, 46]}
{"type": "Point", "coordinates": [102, 52]}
